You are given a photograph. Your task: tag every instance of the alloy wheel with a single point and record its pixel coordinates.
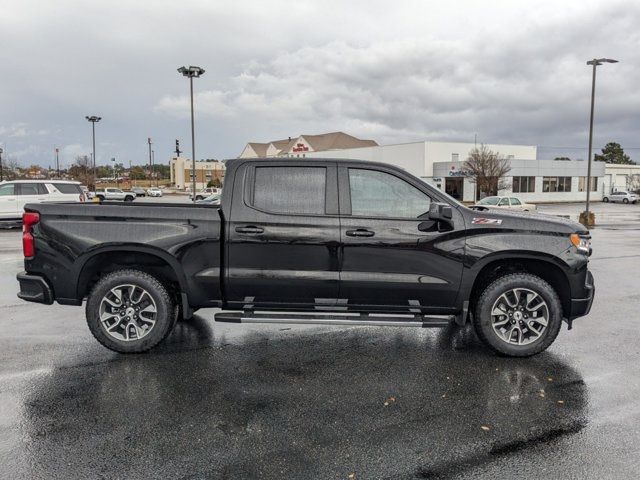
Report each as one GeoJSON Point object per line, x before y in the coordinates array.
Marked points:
{"type": "Point", "coordinates": [128, 312]}
{"type": "Point", "coordinates": [519, 316]}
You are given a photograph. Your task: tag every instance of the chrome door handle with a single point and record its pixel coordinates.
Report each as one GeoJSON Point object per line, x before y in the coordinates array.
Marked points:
{"type": "Point", "coordinates": [250, 229]}
{"type": "Point", "coordinates": [360, 232]}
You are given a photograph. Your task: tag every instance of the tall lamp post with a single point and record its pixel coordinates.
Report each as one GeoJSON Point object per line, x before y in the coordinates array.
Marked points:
{"type": "Point", "coordinates": [1, 174]}
{"type": "Point", "coordinates": [586, 217]}
{"type": "Point", "coordinates": [192, 72]}
{"type": "Point", "coordinates": [93, 119]}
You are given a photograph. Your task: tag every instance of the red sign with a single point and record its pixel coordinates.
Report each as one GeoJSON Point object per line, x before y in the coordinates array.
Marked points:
{"type": "Point", "coordinates": [300, 147]}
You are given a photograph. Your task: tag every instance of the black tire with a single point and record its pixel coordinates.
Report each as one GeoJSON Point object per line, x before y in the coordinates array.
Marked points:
{"type": "Point", "coordinates": [605, 199]}
{"type": "Point", "coordinates": [625, 200]}
{"type": "Point", "coordinates": [128, 198]}
{"type": "Point", "coordinates": [199, 197]}
{"type": "Point", "coordinates": [482, 320]}
{"type": "Point", "coordinates": [166, 312]}
{"type": "Point", "coordinates": [100, 197]}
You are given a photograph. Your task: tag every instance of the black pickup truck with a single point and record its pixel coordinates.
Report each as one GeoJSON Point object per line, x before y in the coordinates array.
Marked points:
{"type": "Point", "coordinates": [310, 241]}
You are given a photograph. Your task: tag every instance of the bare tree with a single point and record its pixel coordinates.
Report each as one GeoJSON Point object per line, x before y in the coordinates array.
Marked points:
{"type": "Point", "coordinates": [634, 182]}
{"type": "Point", "coordinates": [487, 169]}
{"type": "Point", "coordinates": [81, 170]}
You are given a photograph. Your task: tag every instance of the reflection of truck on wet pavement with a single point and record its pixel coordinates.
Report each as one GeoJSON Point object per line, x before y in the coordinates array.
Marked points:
{"type": "Point", "coordinates": [311, 242]}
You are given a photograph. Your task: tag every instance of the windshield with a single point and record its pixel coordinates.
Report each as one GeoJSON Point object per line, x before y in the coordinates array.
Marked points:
{"type": "Point", "coordinates": [489, 201]}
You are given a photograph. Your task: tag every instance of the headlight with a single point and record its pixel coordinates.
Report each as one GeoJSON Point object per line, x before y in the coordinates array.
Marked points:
{"type": "Point", "coordinates": [581, 242]}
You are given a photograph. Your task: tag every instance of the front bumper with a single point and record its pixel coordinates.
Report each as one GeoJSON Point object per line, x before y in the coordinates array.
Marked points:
{"type": "Point", "coordinates": [582, 306]}
{"type": "Point", "coordinates": [34, 288]}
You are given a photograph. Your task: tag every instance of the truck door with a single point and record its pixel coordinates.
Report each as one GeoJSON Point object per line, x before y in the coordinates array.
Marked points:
{"type": "Point", "coordinates": [283, 235]}
{"type": "Point", "coordinates": [391, 259]}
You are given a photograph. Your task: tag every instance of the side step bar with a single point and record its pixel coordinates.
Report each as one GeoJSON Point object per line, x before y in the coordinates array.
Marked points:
{"type": "Point", "coordinates": [336, 319]}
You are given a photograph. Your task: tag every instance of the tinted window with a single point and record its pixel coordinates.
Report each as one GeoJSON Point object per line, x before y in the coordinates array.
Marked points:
{"type": "Point", "coordinates": [290, 189]}
{"type": "Point", "coordinates": [67, 188]}
{"type": "Point", "coordinates": [31, 189]}
{"type": "Point", "coordinates": [7, 189]}
{"type": "Point", "coordinates": [515, 201]}
{"type": "Point", "coordinates": [379, 194]}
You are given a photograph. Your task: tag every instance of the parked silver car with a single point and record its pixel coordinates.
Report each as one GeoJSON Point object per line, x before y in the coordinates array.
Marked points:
{"type": "Point", "coordinates": [622, 197]}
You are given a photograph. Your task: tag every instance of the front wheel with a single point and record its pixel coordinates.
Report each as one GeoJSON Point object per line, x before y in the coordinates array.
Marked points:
{"type": "Point", "coordinates": [130, 311]}
{"type": "Point", "coordinates": [605, 199]}
{"type": "Point", "coordinates": [518, 315]}
{"type": "Point", "coordinates": [128, 198]}
{"type": "Point", "coordinates": [625, 200]}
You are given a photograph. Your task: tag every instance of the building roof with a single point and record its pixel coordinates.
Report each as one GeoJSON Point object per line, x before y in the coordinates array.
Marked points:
{"type": "Point", "coordinates": [336, 141]}
{"type": "Point", "coordinates": [318, 143]}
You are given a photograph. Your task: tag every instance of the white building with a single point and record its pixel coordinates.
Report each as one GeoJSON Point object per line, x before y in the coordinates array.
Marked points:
{"type": "Point", "coordinates": [621, 177]}
{"type": "Point", "coordinates": [442, 165]}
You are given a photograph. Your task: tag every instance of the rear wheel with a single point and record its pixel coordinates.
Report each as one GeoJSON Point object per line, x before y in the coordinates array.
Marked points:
{"type": "Point", "coordinates": [605, 199]}
{"type": "Point", "coordinates": [625, 200]}
{"type": "Point", "coordinates": [518, 315]}
{"type": "Point", "coordinates": [130, 311]}
{"type": "Point", "coordinates": [128, 198]}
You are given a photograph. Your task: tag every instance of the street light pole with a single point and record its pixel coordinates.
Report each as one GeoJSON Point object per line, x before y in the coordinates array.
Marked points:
{"type": "Point", "coordinates": [1, 174]}
{"type": "Point", "coordinates": [191, 72]}
{"type": "Point", "coordinates": [150, 161]}
{"type": "Point", "coordinates": [587, 218]}
{"type": "Point", "coordinates": [57, 162]}
{"type": "Point", "coordinates": [93, 119]}
{"type": "Point", "coordinates": [153, 167]}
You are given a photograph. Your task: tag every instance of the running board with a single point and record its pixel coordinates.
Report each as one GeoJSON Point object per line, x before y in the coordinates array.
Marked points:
{"type": "Point", "coordinates": [336, 319]}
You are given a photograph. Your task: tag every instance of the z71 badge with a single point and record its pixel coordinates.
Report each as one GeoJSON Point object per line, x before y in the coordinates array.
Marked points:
{"type": "Point", "coordinates": [486, 221]}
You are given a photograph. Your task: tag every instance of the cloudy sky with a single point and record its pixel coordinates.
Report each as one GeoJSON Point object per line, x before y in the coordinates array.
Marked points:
{"type": "Point", "coordinates": [393, 71]}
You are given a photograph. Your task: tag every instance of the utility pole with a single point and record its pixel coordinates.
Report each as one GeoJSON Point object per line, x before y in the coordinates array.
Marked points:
{"type": "Point", "coordinates": [57, 162]}
{"type": "Point", "coordinates": [153, 166]}
{"type": "Point", "coordinates": [1, 174]}
{"type": "Point", "coordinates": [150, 161]}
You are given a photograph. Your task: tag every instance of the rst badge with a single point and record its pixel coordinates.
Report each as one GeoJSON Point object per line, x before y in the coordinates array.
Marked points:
{"type": "Point", "coordinates": [486, 221]}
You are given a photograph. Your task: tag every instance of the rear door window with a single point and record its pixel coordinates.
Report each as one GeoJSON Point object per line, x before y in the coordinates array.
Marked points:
{"type": "Point", "coordinates": [504, 202]}
{"type": "Point", "coordinates": [31, 189]}
{"type": "Point", "coordinates": [290, 190]}
{"type": "Point", "coordinates": [515, 201]}
{"type": "Point", "coordinates": [68, 188]}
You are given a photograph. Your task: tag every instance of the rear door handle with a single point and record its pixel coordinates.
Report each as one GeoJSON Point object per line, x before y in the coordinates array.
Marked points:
{"type": "Point", "coordinates": [251, 229]}
{"type": "Point", "coordinates": [360, 232]}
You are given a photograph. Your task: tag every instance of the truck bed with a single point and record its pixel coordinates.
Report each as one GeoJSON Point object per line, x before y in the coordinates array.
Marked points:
{"type": "Point", "coordinates": [75, 243]}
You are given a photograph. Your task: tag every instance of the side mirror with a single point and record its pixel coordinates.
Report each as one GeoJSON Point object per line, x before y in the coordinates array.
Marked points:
{"type": "Point", "coordinates": [440, 212]}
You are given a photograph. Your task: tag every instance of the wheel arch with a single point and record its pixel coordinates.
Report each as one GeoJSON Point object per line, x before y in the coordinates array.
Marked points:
{"type": "Point", "coordinates": [541, 267]}
{"type": "Point", "coordinates": [153, 261]}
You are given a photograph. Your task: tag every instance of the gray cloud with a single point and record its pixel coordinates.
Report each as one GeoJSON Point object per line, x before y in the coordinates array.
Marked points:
{"type": "Point", "coordinates": [510, 72]}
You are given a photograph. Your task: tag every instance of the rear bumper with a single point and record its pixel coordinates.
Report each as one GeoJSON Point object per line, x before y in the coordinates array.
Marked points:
{"type": "Point", "coordinates": [582, 306]}
{"type": "Point", "coordinates": [34, 288]}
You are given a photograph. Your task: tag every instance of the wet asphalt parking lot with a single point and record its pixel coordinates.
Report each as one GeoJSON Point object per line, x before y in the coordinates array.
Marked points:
{"type": "Point", "coordinates": [260, 401]}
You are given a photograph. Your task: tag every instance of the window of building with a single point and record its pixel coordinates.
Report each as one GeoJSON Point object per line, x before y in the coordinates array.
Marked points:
{"type": "Point", "coordinates": [290, 190]}
{"type": "Point", "coordinates": [582, 184]}
{"type": "Point", "coordinates": [455, 157]}
{"type": "Point", "coordinates": [556, 184]}
{"type": "Point", "coordinates": [380, 194]}
{"type": "Point", "coordinates": [524, 184]}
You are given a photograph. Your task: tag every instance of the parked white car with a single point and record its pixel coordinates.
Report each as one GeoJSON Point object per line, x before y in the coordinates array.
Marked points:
{"type": "Point", "coordinates": [207, 192]}
{"type": "Point", "coordinates": [622, 197]}
{"type": "Point", "coordinates": [513, 203]}
{"type": "Point", "coordinates": [14, 195]}
{"type": "Point", "coordinates": [154, 192]}
{"type": "Point", "coordinates": [114, 194]}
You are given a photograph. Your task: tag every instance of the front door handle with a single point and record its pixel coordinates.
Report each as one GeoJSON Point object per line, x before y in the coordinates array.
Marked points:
{"type": "Point", "coordinates": [250, 229]}
{"type": "Point", "coordinates": [360, 232]}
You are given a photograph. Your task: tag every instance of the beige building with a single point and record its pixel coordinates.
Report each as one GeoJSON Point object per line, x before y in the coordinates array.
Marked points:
{"type": "Point", "coordinates": [621, 177]}
{"type": "Point", "coordinates": [206, 171]}
{"type": "Point", "coordinates": [304, 145]}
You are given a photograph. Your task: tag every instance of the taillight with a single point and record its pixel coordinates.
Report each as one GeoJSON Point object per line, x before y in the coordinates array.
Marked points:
{"type": "Point", "coordinates": [29, 219]}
